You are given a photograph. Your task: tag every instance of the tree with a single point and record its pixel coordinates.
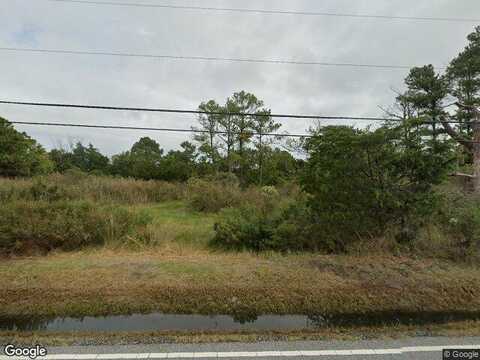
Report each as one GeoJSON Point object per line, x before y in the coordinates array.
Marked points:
{"type": "Point", "coordinates": [278, 166]}
{"type": "Point", "coordinates": [141, 162]}
{"type": "Point", "coordinates": [226, 126]}
{"type": "Point", "coordinates": [179, 165]}
{"type": "Point", "coordinates": [209, 123]}
{"type": "Point", "coordinates": [361, 182]}
{"type": "Point", "coordinates": [243, 103]}
{"type": "Point", "coordinates": [89, 159]}
{"type": "Point", "coordinates": [20, 155]}
{"type": "Point", "coordinates": [463, 74]}
{"type": "Point", "coordinates": [426, 92]}
{"type": "Point", "coordinates": [261, 125]}
{"type": "Point", "coordinates": [62, 160]}
{"type": "Point", "coordinates": [85, 158]}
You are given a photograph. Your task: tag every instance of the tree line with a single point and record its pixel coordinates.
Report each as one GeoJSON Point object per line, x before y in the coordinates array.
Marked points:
{"type": "Point", "coordinates": [235, 144]}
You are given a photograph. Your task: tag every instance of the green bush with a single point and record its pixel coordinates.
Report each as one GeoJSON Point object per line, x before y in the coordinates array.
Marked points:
{"type": "Point", "coordinates": [459, 218]}
{"type": "Point", "coordinates": [212, 194]}
{"type": "Point", "coordinates": [43, 226]}
{"type": "Point", "coordinates": [277, 225]}
{"type": "Point", "coordinates": [363, 183]}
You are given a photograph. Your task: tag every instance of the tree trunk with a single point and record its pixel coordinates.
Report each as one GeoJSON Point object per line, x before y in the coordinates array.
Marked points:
{"type": "Point", "coordinates": [260, 148]}
{"type": "Point", "coordinates": [476, 155]}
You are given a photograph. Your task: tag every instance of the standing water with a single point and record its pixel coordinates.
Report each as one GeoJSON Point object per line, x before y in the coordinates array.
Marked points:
{"type": "Point", "coordinates": [175, 322]}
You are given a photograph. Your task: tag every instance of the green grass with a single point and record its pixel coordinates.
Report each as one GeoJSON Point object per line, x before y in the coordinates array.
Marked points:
{"type": "Point", "coordinates": [174, 224]}
{"type": "Point", "coordinates": [180, 274]}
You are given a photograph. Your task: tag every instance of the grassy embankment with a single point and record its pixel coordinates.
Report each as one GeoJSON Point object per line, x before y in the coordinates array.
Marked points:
{"type": "Point", "coordinates": [181, 275]}
{"type": "Point", "coordinates": [178, 273]}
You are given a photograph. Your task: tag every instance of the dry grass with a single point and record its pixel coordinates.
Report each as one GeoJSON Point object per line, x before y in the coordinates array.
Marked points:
{"type": "Point", "coordinates": [197, 281]}
{"type": "Point", "coordinates": [80, 186]}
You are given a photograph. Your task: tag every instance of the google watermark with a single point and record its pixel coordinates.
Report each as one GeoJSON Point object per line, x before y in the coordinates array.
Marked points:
{"type": "Point", "coordinates": [32, 352]}
{"type": "Point", "coordinates": [461, 354]}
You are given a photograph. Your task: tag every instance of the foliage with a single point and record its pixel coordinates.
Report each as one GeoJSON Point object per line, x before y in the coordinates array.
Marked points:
{"type": "Point", "coordinates": [237, 143]}
{"type": "Point", "coordinates": [362, 182]}
{"type": "Point", "coordinates": [85, 158]}
{"type": "Point", "coordinates": [208, 141]}
{"type": "Point", "coordinates": [146, 161]}
{"type": "Point", "coordinates": [463, 75]}
{"type": "Point", "coordinates": [459, 219]}
{"type": "Point", "coordinates": [75, 185]}
{"type": "Point", "coordinates": [20, 155]}
{"type": "Point", "coordinates": [271, 224]}
{"type": "Point", "coordinates": [141, 162]}
{"type": "Point", "coordinates": [179, 165]}
{"type": "Point", "coordinates": [44, 226]}
{"type": "Point", "coordinates": [213, 193]}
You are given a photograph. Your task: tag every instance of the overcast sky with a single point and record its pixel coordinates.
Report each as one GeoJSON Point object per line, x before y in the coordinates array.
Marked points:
{"type": "Point", "coordinates": [184, 84]}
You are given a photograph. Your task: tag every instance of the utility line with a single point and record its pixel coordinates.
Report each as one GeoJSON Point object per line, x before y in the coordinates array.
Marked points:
{"type": "Point", "coordinates": [279, 135]}
{"type": "Point", "coordinates": [272, 12]}
{"type": "Point", "coordinates": [207, 58]}
{"type": "Point", "coordinates": [200, 112]}
{"type": "Point", "coordinates": [154, 129]}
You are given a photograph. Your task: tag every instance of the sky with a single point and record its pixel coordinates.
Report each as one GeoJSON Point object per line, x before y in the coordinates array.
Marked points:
{"type": "Point", "coordinates": [140, 82]}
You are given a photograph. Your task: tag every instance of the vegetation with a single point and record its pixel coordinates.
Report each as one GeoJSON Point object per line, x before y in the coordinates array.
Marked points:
{"type": "Point", "coordinates": [44, 226]}
{"type": "Point", "coordinates": [233, 224]}
{"type": "Point", "coordinates": [192, 280]}
{"type": "Point", "coordinates": [19, 154]}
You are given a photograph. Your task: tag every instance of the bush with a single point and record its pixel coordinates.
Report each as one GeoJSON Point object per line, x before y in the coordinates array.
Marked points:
{"type": "Point", "coordinates": [44, 226]}
{"type": "Point", "coordinates": [244, 228]}
{"type": "Point", "coordinates": [276, 225]}
{"type": "Point", "coordinates": [212, 194]}
{"type": "Point", "coordinates": [459, 219]}
{"type": "Point", "coordinates": [363, 183]}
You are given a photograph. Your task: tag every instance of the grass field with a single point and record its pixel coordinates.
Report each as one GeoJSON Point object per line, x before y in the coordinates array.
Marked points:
{"type": "Point", "coordinates": [180, 274]}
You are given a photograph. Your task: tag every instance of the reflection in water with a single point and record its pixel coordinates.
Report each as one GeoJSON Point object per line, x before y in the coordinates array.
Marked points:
{"type": "Point", "coordinates": [159, 322]}
{"type": "Point", "coordinates": [241, 321]}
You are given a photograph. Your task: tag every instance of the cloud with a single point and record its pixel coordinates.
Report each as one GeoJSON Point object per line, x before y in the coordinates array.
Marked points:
{"type": "Point", "coordinates": [184, 84]}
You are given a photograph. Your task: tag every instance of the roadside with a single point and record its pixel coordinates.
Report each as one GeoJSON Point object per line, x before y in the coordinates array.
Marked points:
{"type": "Point", "coordinates": [408, 348]}
{"type": "Point", "coordinates": [108, 282]}
{"type": "Point", "coordinates": [359, 333]}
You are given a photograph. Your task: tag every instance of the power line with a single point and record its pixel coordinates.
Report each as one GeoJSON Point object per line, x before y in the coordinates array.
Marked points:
{"type": "Point", "coordinates": [116, 127]}
{"type": "Point", "coordinates": [153, 129]}
{"type": "Point", "coordinates": [271, 12]}
{"type": "Point", "coordinates": [200, 112]}
{"type": "Point", "coordinates": [207, 58]}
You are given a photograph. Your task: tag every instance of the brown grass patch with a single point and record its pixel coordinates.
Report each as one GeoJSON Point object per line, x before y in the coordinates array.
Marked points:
{"type": "Point", "coordinates": [117, 282]}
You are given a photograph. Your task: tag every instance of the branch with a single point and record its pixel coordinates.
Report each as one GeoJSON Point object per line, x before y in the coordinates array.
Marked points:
{"type": "Point", "coordinates": [390, 113]}
{"type": "Point", "coordinates": [455, 135]}
{"type": "Point", "coordinates": [469, 107]}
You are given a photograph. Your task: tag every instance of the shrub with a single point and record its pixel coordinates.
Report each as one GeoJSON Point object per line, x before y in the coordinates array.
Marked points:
{"type": "Point", "coordinates": [364, 182]}
{"type": "Point", "coordinates": [243, 228]}
{"type": "Point", "coordinates": [44, 226]}
{"type": "Point", "coordinates": [459, 219]}
{"type": "Point", "coordinates": [281, 226]}
{"type": "Point", "coordinates": [213, 193]}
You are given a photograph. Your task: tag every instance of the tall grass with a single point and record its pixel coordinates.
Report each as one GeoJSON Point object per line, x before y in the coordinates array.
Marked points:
{"type": "Point", "coordinates": [79, 186]}
{"type": "Point", "coordinates": [42, 226]}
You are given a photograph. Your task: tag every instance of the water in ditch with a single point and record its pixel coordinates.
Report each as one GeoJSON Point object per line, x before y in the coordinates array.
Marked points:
{"type": "Point", "coordinates": [179, 323]}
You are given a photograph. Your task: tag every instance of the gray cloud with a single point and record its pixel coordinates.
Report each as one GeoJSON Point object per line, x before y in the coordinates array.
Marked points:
{"type": "Point", "coordinates": [184, 84]}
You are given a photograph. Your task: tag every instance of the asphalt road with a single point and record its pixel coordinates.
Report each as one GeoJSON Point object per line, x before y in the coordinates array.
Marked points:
{"type": "Point", "coordinates": [411, 348]}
